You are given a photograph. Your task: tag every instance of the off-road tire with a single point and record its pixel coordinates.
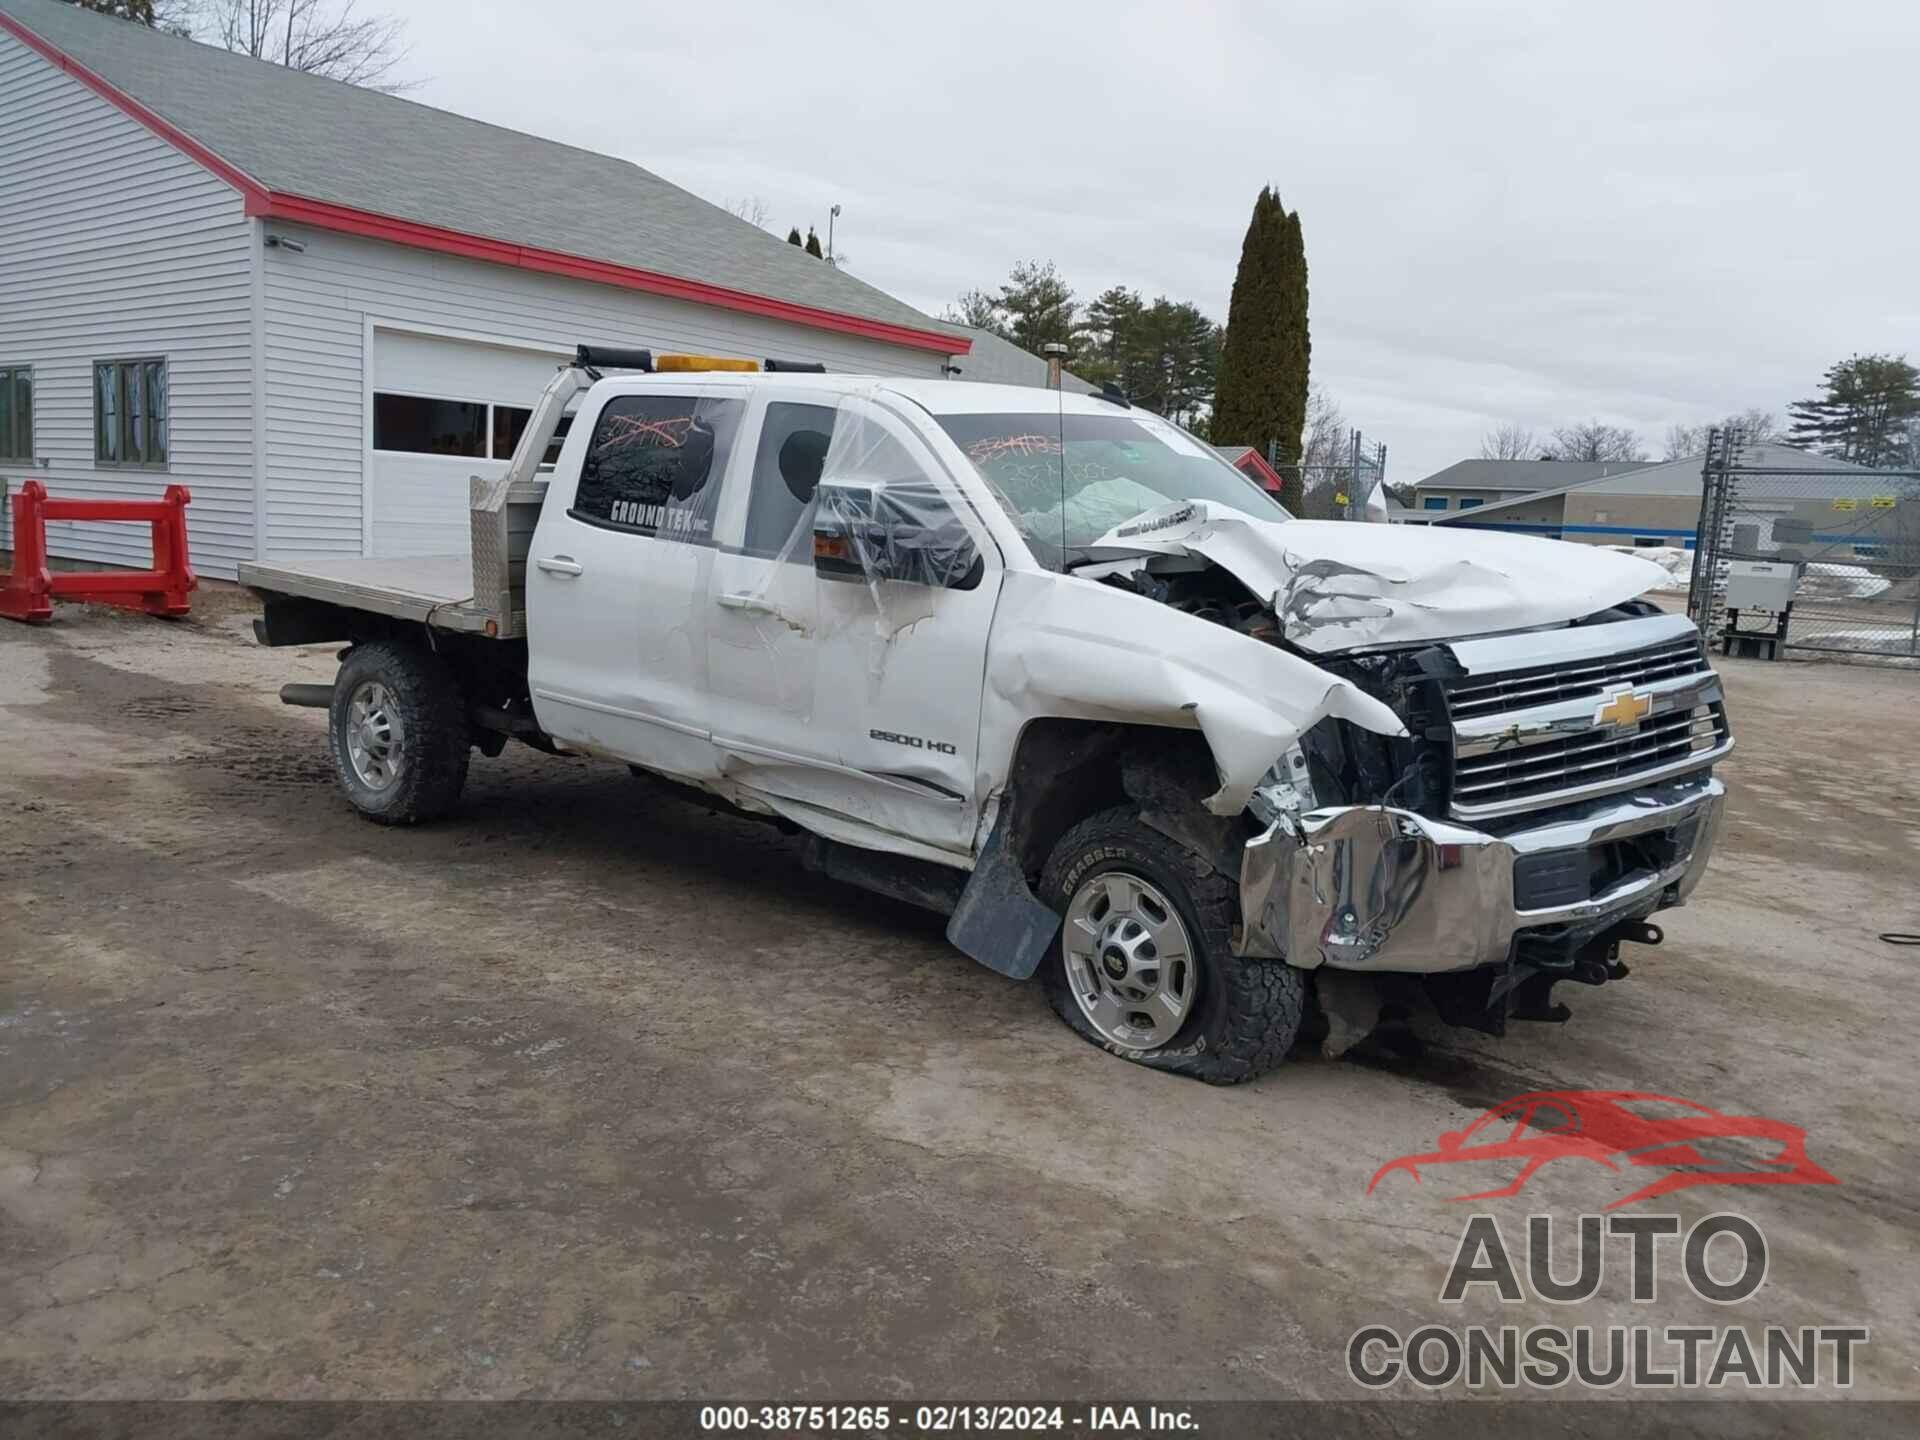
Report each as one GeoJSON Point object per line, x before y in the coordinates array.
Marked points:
{"type": "Point", "coordinates": [435, 739]}
{"type": "Point", "coordinates": [1247, 1013]}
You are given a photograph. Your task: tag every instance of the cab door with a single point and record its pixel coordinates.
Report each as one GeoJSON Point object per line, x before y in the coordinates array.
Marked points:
{"type": "Point", "coordinates": [619, 571]}
{"type": "Point", "coordinates": [856, 697]}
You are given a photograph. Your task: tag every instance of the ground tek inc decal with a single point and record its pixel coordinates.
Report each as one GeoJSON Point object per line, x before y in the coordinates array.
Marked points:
{"type": "Point", "coordinates": [1646, 1259]}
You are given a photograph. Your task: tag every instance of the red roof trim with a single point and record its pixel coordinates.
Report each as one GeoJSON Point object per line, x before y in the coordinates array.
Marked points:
{"type": "Point", "coordinates": [328, 216]}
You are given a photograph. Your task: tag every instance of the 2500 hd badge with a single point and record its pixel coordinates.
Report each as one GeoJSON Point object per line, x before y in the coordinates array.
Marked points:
{"type": "Point", "coordinates": [914, 742]}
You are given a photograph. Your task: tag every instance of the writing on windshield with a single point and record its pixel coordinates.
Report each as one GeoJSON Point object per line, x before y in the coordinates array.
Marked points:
{"type": "Point", "coordinates": [1068, 480]}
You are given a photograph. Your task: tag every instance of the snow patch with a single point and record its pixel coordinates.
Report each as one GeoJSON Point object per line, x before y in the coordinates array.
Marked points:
{"type": "Point", "coordinates": [1821, 580]}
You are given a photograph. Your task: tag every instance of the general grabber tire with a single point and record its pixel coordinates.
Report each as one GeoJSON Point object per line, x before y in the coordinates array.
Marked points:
{"type": "Point", "coordinates": [398, 732]}
{"type": "Point", "coordinates": [1132, 901]}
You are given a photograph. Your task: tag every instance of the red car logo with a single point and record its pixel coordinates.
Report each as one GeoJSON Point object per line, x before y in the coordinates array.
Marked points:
{"type": "Point", "coordinates": [1615, 1128]}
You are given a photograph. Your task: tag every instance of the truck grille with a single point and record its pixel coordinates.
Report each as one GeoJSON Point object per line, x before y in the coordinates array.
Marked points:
{"type": "Point", "coordinates": [1546, 684]}
{"type": "Point", "coordinates": [1538, 771]}
{"type": "Point", "coordinates": [1536, 736]}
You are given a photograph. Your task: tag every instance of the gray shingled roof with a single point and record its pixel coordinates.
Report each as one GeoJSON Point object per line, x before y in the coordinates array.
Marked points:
{"type": "Point", "coordinates": [1522, 474]}
{"type": "Point", "coordinates": [302, 135]}
{"type": "Point", "coordinates": [999, 361]}
{"type": "Point", "coordinates": [1682, 477]}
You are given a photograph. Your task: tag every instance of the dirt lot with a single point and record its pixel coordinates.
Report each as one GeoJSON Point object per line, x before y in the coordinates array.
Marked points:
{"type": "Point", "coordinates": [587, 1092]}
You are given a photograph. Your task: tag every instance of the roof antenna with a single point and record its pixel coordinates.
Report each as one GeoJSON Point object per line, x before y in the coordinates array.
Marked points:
{"type": "Point", "coordinates": [1056, 354]}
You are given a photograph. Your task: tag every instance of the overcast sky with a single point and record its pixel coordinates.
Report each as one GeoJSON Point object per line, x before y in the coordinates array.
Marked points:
{"type": "Point", "coordinates": [1530, 211]}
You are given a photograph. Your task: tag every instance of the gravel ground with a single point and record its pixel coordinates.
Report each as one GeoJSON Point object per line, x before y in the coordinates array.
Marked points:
{"type": "Point", "coordinates": [588, 1092]}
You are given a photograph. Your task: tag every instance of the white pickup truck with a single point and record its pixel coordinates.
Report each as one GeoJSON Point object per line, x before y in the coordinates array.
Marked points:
{"type": "Point", "coordinates": [1047, 664]}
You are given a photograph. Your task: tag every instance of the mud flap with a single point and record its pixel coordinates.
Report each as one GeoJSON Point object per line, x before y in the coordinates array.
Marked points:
{"type": "Point", "coordinates": [999, 922]}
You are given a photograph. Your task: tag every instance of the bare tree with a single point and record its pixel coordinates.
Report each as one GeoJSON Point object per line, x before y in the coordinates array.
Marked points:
{"type": "Point", "coordinates": [1756, 427]}
{"type": "Point", "coordinates": [1594, 440]}
{"type": "Point", "coordinates": [1327, 440]}
{"type": "Point", "coordinates": [750, 208]}
{"type": "Point", "coordinates": [1509, 442]}
{"type": "Point", "coordinates": [322, 37]}
{"type": "Point", "coordinates": [1326, 457]}
{"type": "Point", "coordinates": [1684, 441]}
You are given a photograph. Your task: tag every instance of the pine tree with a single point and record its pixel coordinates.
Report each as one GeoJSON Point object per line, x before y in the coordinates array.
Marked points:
{"type": "Point", "coordinates": [793, 238]}
{"type": "Point", "coordinates": [1865, 413]}
{"type": "Point", "coordinates": [1261, 397]}
{"type": "Point", "coordinates": [813, 245]}
{"type": "Point", "coordinates": [138, 11]}
{"type": "Point", "coordinates": [1038, 305]}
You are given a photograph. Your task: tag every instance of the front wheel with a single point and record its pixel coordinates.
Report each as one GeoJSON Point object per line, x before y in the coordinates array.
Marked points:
{"type": "Point", "coordinates": [398, 731]}
{"type": "Point", "coordinates": [1145, 966]}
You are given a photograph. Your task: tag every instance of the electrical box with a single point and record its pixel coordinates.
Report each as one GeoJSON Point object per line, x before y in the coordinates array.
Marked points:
{"type": "Point", "coordinates": [1760, 585]}
{"type": "Point", "coordinates": [1788, 531]}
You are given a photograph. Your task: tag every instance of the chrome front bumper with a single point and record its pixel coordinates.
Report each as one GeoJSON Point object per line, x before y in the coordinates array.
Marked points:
{"type": "Point", "coordinates": [1366, 887]}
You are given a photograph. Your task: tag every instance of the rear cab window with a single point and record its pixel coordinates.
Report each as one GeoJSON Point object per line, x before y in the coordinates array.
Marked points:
{"type": "Point", "coordinates": [654, 464]}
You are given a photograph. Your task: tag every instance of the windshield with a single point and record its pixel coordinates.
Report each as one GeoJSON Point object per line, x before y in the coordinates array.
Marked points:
{"type": "Point", "coordinates": [1115, 467]}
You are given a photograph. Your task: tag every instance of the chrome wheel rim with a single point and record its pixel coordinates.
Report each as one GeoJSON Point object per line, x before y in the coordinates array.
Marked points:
{"type": "Point", "coordinates": [375, 737]}
{"type": "Point", "coordinates": [1129, 961]}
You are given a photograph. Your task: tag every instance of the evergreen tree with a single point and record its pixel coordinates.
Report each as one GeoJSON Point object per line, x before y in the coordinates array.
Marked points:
{"type": "Point", "coordinates": [980, 310]}
{"type": "Point", "coordinates": [1038, 306]}
{"type": "Point", "coordinates": [1262, 391]}
{"type": "Point", "coordinates": [1105, 336]}
{"type": "Point", "coordinates": [138, 11]}
{"type": "Point", "coordinates": [813, 245]}
{"type": "Point", "coordinates": [793, 238]}
{"type": "Point", "coordinates": [1865, 413]}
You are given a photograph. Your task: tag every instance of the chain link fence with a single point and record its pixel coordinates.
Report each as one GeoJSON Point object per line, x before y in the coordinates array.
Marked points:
{"type": "Point", "coordinates": [1336, 488]}
{"type": "Point", "coordinates": [1851, 534]}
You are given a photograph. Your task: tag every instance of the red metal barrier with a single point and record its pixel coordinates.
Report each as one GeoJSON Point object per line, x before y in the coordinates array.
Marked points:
{"type": "Point", "coordinates": [28, 593]}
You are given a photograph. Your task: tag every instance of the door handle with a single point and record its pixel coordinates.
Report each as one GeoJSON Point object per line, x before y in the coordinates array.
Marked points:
{"type": "Point", "coordinates": [751, 603]}
{"type": "Point", "coordinates": [560, 565]}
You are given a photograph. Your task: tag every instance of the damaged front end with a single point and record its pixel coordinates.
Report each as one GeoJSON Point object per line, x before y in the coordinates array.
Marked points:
{"type": "Point", "coordinates": [1379, 889]}
{"type": "Point", "coordinates": [1549, 785]}
{"type": "Point", "coordinates": [1520, 833]}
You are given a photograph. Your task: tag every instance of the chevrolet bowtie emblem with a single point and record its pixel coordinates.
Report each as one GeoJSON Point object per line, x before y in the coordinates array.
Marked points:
{"type": "Point", "coordinates": [1625, 709]}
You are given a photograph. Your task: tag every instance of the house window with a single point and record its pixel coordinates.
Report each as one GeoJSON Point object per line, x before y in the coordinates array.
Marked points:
{"type": "Point", "coordinates": [130, 412]}
{"type": "Point", "coordinates": [420, 426]}
{"type": "Point", "coordinates": [1467, 502]}
{"type": "Point", "coordinates": [652, 464]}
{"type": "Point", "coordinates": [1433, 502]}
{"type": "Point", "coordinates": [16, 413]}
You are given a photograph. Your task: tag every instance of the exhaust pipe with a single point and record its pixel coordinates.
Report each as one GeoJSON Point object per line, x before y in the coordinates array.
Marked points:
{"type": "Point", "coordinates": [316, 697]}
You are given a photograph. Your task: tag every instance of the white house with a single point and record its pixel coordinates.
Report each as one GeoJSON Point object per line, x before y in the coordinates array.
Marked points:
{"type": "Point", "coordinates": [323, 308]}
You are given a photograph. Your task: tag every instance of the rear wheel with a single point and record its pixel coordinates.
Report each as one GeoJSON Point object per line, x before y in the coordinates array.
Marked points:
{"type": "Point", "coordinates": [398, 731]}
{"type": "Point", "coordinates": [1145, 966]}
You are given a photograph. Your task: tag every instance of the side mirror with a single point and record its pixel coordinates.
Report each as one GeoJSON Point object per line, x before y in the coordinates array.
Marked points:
{"type": "Point", "coordinates": [904, 531]}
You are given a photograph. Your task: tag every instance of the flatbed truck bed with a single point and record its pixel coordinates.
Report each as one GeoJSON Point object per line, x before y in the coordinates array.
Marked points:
{"type": "Point", "coordinates": [427, 589]}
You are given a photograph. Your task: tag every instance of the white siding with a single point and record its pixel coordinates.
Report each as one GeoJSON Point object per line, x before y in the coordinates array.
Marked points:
{"type": "Point", "coordinates": [320, 305]}
{"type": "Point", "coordinates": [114, 245]}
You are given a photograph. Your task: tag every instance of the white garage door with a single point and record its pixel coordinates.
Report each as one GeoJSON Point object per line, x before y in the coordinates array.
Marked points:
{"type": "Point", "coordinates": [443, 411]}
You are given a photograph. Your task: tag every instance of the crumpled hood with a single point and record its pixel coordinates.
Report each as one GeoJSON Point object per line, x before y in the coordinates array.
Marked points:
{"type": "Point", "coordinates": [1335, 585]}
